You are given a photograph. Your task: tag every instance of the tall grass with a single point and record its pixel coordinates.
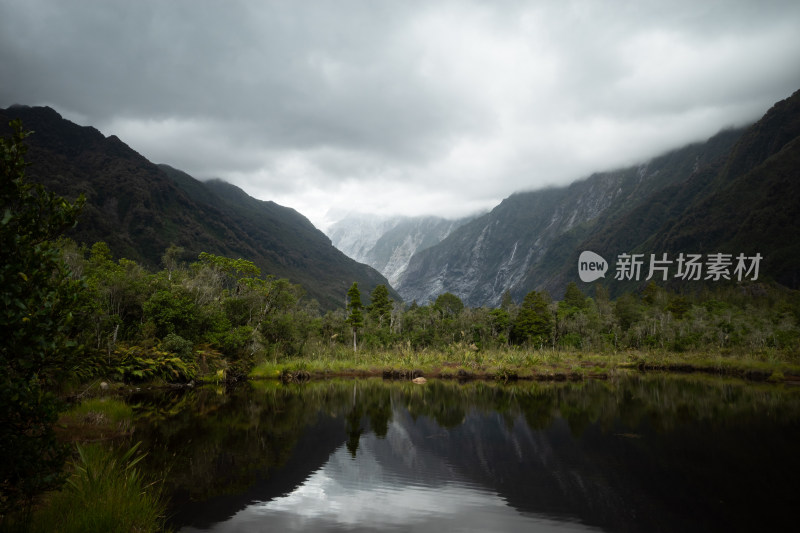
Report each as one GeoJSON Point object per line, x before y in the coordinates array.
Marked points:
{"type": "Point", "coordinates": [101, 409]}
{"type": "Point", "coordinates": [106, 493]}
{"type": "Point", "coordinates": [96, 419]}
{"type": "Point", "coordinates": [521, 362]}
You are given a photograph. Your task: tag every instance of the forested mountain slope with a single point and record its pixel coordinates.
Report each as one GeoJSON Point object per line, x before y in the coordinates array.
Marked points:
{"type": "Point", "coordinates": [746, 203]}
{"type": "Point", "coordinates": [140, 209]}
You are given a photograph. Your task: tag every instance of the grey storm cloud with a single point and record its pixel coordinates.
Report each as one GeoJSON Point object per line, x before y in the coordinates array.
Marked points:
{"type": "Point", "coordinates": [294, 74]}
{"type": "Point", "coordinates": [400, 106]}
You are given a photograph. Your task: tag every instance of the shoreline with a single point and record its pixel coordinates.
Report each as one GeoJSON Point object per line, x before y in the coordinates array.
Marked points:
{"type": "Point", "coordinates": [407, 374]}
{"type": "Point", "coordinates": [497, 367]}
{"type": "Point", "coordinates": [552, 366]}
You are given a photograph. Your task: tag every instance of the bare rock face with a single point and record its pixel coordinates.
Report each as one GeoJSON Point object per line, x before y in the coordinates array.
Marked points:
{"type": "Point", "coordinates": [388, 243]}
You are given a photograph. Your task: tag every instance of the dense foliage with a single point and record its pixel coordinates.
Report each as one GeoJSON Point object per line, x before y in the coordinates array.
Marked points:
{"type": "Point", "coordinates": [219, 316]}
{"type": "Point", "coordinates": [36, 327]}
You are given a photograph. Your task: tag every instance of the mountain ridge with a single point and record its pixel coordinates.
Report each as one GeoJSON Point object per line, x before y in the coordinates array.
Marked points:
{"type": "Point", "coordinates": [139, 209]}
{"type": "Point", "coordinates": [520, 244]}
{"type": "Point", "coordinates": [747, 203]}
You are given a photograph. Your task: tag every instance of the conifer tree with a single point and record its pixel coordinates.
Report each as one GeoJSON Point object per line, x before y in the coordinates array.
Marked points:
{"type": "Point", "coordinates": [380, 307]}
{"type": "Point", "coordinates": [534, 322]}
{"type": "Point", "coordinates": [355, 317]}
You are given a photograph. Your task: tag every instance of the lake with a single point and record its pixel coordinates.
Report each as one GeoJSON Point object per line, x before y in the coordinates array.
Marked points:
{"type": "Point", "coordinates": [637, 453]}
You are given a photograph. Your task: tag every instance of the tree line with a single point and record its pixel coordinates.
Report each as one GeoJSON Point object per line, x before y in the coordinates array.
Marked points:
{"type": "Point", "coordinates": [221, 314]}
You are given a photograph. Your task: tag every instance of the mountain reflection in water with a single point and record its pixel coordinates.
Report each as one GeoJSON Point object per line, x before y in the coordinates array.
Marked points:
{"type": "Point", "coordinates": [391, 484]}
{"type": "Point", "coordinates": [651, 453]}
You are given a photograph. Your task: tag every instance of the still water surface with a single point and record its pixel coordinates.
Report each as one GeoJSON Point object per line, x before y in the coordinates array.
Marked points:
{"type": "Point", "coordinates": [641, 453]}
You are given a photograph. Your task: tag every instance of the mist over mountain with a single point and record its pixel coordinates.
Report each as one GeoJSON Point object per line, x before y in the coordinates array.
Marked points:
{"type": "Point", "coordinates": [388, 243]}
{"type": "Point", "coordinates": [356, 233]}
{"type": "Point", "coordinates": [522, 243]}
{"type": "Point", "coordinates": [139, 209]}
{"type": "Point", "coordinates": [753, 203]}
{"type": "Point", "coordinates": [735, 193]}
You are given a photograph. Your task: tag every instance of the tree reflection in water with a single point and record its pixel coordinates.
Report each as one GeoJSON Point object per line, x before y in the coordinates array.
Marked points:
{"type": "Point", "coordinates": [654, 452]}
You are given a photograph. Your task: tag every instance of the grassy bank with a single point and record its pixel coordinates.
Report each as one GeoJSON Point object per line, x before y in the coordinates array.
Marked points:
{"type": "Point", "coordinates": [460, 363]}
{"type": "Point", "coordinates": [95, 419]}
{"type": "Point", "coordinates": [106, 492]}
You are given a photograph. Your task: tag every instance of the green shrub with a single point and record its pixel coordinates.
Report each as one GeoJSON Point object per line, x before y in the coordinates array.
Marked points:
{"type": "Point", "coordinates": [571, 340]}
{"type": "Point", "coordinates": [178, 345]}
{"type": "Point", "coordinates": [106, 493]}
{"type": "Point", "coordinates": [136, 363]}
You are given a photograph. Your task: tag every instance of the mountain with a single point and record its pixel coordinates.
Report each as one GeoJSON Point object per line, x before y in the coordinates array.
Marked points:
{"type": "Point", "coordinates": [356, 234]}
{"type": "Point", "coordinates": [522, 243]}
{"type": "Point", "coordinates": [140, 209]}
{"type": "Point", "coordinates": [737, 193]}
{"type": "Point", "coordinates": [388, 243]}
{"type": "Point", "coordinates": [753, 202]}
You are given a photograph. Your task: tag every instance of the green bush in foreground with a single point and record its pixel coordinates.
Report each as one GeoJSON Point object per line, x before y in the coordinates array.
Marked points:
{"type": "Point", "coordinates": [106, 493]}
{"type": "Point", "coordinates": [37, 298]}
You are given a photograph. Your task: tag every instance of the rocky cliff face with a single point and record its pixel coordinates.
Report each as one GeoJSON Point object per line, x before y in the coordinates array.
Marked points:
{"type": "Point", "coordinates": [356, 234]}
{"type": "Point", "coordinates": [387, 244]}
{"type": "Point", "coordinates": [522, 244]}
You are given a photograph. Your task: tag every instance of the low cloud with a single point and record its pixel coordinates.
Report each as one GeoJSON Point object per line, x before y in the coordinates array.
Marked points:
{"type": "Point", "coordinates": [412, 107]}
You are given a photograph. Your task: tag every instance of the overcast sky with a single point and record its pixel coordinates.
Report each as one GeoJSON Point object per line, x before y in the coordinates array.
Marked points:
{"type": "Point", "coordinates": [416, 107]}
